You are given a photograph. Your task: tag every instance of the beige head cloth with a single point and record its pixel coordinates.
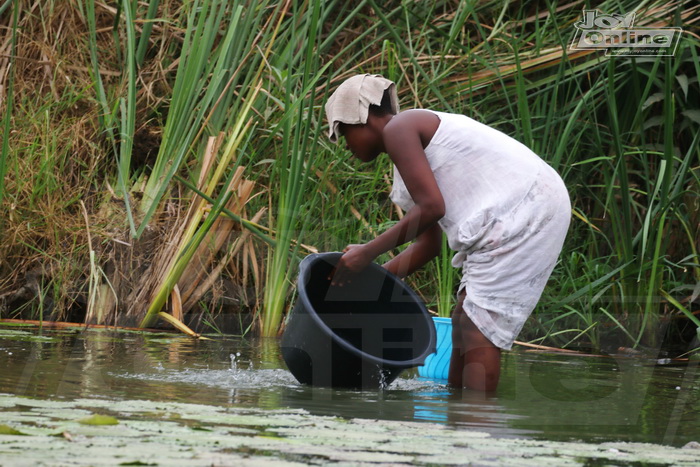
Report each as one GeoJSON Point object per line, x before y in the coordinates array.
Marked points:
{"type": "Point", "coordinates": [350, 102]}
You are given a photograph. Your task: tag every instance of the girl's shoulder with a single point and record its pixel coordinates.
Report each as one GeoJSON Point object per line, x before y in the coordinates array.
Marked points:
{"type": "Point", "coordinates": [415, 116]}
{"type": "Point", "coordinates": [423, 122]}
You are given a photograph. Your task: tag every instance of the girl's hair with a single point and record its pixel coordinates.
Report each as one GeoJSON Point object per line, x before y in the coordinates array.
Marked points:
{"type": "Point", "coordinates": [384, 108]}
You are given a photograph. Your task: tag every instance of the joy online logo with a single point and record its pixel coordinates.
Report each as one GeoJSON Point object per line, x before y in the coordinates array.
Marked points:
{"type": "Point", "coordinates": [616, 34]}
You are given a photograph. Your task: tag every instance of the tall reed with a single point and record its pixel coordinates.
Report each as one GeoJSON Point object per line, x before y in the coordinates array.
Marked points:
{"type": "Point", "coordinates": [202, 74]}
{"type": "Point", "coordinates": [9, 99]}
{"type": "Point", "coordinates": [300, 125]}
{"type": "Point", "coordinates": [446, 281]}
{"type": "Point", "coordinates": [117, 119]}
{"type": "Point", "coordinates": [242, 26]}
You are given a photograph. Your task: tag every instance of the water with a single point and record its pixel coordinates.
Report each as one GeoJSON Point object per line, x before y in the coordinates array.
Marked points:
{"type": "Point", "coordinates": [541, 396]}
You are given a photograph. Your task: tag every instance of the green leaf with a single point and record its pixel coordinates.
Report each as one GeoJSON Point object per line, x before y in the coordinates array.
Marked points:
{"type": "Point", "coordinates": [656, 120]}
{"type": "Point", "coordinates": [693, 114]}
{"type": "Point", "coordinates": [8, 430]}
{"type": "Point", "coordinates": [98, 419]}
{"type": "Point", "coordinates": [683, 81]}
{"type": "Point", "coordinates": [654, 98]}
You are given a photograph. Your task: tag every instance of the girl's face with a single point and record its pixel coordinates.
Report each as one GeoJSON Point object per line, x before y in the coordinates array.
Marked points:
{"type": "Point", "coordinates": [362, 140]}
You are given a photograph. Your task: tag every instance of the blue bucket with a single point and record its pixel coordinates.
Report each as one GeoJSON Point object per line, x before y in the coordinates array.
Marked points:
{"type": "Point", "coordinates": [437, 365]}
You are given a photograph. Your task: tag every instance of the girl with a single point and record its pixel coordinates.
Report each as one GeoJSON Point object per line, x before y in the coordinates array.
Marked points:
{"type": "Point", "coordinates": [505, 213]}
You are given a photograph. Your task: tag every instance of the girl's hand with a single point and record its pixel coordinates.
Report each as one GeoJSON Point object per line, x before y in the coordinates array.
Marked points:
{"type": "Point", "coordinates": [354, 260]}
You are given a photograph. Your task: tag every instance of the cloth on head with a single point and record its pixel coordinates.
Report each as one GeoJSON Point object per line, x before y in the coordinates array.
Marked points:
{"type": "Point", "coordinates": [350, 102]}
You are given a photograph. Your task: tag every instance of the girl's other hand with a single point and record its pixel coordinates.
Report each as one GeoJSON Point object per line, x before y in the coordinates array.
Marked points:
{"type": "Point", "coordinates": [354, 260]}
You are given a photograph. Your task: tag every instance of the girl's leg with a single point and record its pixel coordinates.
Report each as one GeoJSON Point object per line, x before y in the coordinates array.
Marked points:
{"type": "Point", "coordinates": [475, 362]}
{"type": "Point", "coordinates": [454, 376]}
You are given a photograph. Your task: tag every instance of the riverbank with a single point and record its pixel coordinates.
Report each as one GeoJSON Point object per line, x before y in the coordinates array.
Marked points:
{"type": "Point", "coordinates": [128, 129]}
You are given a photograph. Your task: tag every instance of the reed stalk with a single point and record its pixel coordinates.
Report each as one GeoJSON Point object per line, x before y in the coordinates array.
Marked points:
{"type": "Point", "coordinates": [127, 107]}
{"type": "Point", "coordinates": [446, 278]}
{"type": "Point", "coordinates": [201, 82]}
{"type": "Point", "coordinates": [301, 125]}
{"type": "Point", "coordinates": [146, 31]}
{"type": "Point", "coordinates": [195, 232]}
{"type": "Point", "coordinates": [9, 98]}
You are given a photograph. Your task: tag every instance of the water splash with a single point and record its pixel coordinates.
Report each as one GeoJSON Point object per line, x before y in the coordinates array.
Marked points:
{"type": "Point", "coordinates": [228, 378]}
{"type": "Point", "coordinates": [417, 384]}
{"type": "Point", "coordinates": [382, 378]}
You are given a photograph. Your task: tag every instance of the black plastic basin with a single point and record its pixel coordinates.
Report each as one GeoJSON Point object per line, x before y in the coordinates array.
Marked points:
{"type": "Point", "coordinates": [361, 335]}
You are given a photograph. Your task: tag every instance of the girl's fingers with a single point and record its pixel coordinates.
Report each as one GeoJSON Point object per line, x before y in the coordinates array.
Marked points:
{"type": "Point", "coordinates": [338, 279]}
{"type": "Point", "coordinates": [340, 275]}
{"type": "Point", "coordinates": [346, 267]}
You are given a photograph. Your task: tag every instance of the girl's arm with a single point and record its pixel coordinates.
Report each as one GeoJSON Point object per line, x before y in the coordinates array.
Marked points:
{"type": "Point", "coordinates": [426, 247]}
{"type": "Point", "coordinates": [402, 141]}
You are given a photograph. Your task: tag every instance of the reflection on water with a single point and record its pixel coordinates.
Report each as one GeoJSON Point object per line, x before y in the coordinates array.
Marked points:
{"type": "Point", "coordinates": [541, 395]}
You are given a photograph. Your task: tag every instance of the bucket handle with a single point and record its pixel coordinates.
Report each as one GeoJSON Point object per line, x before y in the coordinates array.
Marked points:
{"type": "Point", "coordinates": [308, 259]}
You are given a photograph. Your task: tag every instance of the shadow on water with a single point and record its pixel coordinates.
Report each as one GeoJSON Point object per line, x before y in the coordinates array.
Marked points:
{"type": "Point", "coordinates": [545, 396]}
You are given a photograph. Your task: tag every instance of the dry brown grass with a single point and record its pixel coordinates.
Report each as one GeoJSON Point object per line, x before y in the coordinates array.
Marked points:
{"type": "Point", "coordinates": [59, 157]}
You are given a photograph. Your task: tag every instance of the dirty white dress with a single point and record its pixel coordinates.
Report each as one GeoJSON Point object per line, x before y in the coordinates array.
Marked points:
{"type": "Point", "coordinates": [506, 215]}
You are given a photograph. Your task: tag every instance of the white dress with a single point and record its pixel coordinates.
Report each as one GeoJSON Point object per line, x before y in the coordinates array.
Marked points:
{"type": "Point", "coordinates": [506, 216]}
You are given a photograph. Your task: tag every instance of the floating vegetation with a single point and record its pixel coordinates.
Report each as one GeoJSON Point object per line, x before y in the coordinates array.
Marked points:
{"type": "Point", "coordinates": [176, 433]}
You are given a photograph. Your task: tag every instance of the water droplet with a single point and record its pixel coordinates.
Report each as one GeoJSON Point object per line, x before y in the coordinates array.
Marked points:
{"type": "Point", "coordinates": [382, 378]}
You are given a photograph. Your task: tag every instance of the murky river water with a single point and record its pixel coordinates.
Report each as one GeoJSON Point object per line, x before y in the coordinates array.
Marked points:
{"type": "Point", "coordinates": [547, 396]}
